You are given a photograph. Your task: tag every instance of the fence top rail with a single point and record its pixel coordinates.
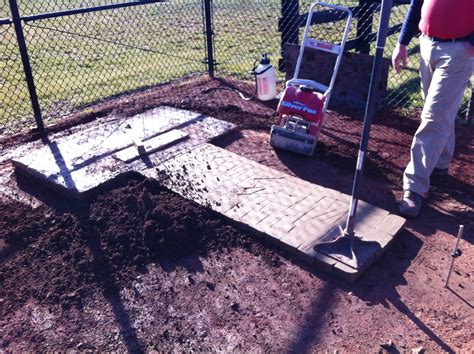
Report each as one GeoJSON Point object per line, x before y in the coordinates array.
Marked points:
{"type": "Point", "coordinates": [84, 10]}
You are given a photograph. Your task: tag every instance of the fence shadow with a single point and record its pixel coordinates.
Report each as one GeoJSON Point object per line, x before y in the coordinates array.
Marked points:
{"type": "Point", "coordinates": [111, 290]}
{"type": "Point", "coordinates": [102, 270]}
{"type": "Point", "coordinates": [471, 305]}
{"type": "Point", "coordinates": [397, 97]}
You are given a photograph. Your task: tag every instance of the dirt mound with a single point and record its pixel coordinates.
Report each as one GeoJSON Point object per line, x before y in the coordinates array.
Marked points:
{"type": "Point", "coordinates": [103, 243]}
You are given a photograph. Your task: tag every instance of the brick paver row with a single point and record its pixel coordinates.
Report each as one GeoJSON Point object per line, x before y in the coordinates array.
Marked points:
{"type": "Point", "coordinates": [294, 213]}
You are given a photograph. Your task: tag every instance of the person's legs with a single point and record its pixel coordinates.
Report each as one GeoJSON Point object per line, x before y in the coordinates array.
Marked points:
{"type": "Point", "coordinates": [445, 69]}
{"type": "Point", "coordinates": [435, 135]}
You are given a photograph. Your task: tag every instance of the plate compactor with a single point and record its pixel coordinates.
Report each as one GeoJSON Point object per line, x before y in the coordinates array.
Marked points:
{"type": "Point", "coordinates": [304, 102]}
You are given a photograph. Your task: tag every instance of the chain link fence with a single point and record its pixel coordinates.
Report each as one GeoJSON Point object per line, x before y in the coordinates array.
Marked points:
{"type": "Point", "coordinates": [84, 51]}
{"type": "Point", "coordinates": [81, 58]}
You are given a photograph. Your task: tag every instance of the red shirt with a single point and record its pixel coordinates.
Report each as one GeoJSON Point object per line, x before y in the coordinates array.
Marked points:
{"type": "Point", "coordinates": [447, 19]}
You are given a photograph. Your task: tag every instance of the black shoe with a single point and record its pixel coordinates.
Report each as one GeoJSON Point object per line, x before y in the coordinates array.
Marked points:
{"type": "Point", "coordinates": [411, 204]}
{"type": "Point", "coordinates": [439, 172]}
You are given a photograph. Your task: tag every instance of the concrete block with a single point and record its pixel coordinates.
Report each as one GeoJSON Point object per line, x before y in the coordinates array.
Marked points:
{"type": "Point", "coordinates": [149, 146]}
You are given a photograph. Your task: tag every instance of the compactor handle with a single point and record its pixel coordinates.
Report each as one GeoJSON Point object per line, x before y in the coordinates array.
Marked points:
{"type": "Point", "coordinates": [337, 49]}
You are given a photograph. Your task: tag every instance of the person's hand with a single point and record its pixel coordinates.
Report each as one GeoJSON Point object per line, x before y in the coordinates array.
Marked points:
{"type": "Point", "coordinates": [400, 55]}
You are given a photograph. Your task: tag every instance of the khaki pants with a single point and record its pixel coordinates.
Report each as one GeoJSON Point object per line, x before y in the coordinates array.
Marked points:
{"type": "Point", "coordinates": [445, 69]}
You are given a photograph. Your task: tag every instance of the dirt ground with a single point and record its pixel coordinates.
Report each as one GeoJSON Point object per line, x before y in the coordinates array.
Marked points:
{"type": "Point", "coordinates": [136, 267]}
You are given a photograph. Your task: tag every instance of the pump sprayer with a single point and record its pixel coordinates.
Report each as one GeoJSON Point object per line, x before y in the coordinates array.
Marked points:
{"type": "Point", "coordinates": [266, 79]}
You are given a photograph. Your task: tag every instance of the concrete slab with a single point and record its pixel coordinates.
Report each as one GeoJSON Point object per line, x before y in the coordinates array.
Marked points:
{"type": "Point", "coordinates": [80, 162]}
{"type": "Point", "coordinates": [291, 213]}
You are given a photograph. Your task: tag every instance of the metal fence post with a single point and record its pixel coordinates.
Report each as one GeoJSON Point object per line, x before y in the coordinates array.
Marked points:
{"type": "Point", "coordinates": [289, 27]}
{"type": "Point", "coordinates": [365, 18]}
{"type": "Point", "coordinates": [26, 64]}
{"type": "Point", "coordinates": [209, 37]}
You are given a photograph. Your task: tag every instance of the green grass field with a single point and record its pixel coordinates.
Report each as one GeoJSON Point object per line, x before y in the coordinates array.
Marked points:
{"type": "Point", "coordinates": [81, 59]}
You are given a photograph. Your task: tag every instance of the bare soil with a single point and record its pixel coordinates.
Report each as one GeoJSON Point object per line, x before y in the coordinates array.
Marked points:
{"type": "Point", "coordinates": [136, 267]}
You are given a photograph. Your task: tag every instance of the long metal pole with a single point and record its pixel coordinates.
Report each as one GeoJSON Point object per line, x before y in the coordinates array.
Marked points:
{"type": "Point", "coordinates": [456, 253]}
{"type": "Point", "coordinates": [369, 112]}
{"type": "Point", "coordinates": [26, 64]}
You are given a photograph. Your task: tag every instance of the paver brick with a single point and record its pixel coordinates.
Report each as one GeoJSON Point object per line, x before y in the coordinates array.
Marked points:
{"type": "Point", "coordinates": [320, 260]}
{"type": "Point", "coordinates": [281, 228]}
{"type": "Point", "coordinates": [369, 214]}
{"type": "Point", "coordinates": [294, 238]}
{"type": "Point", "coordinates": [392, 224]}
{"type": "Point", "coordinates": [327, 211]}
{"type": "Point", "coordinates": [266, 225]}
{"type": "Point", "coordinates": [255, 216]}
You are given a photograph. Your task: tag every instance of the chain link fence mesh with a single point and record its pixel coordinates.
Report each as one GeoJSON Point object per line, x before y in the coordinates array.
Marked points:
{"type": "Point", "coordinates": [15, 107]}
{"type": "Point", "coordinates": [243, 30]}
{"type": "Point", "coordinates": [84, 58]}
